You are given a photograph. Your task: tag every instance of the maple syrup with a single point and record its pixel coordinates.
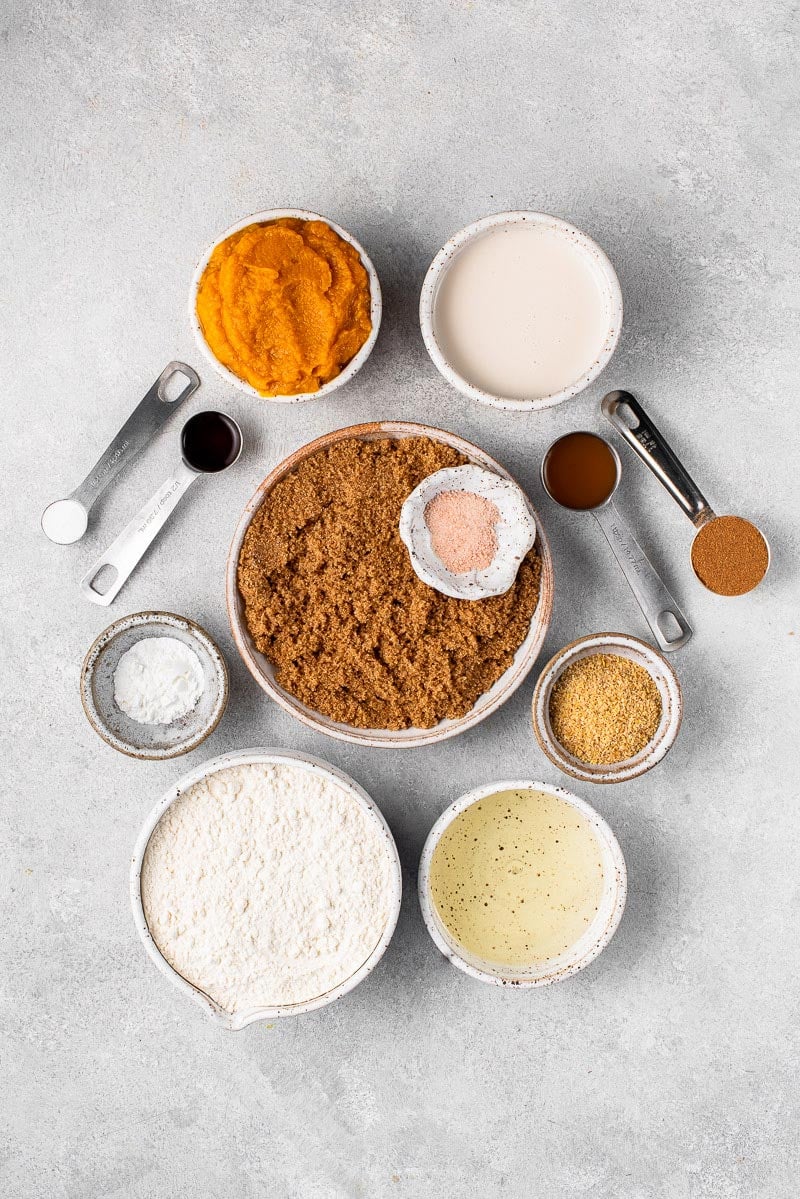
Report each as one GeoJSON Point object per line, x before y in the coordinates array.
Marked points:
{"type": "Point", "coordinates": [580, 471]}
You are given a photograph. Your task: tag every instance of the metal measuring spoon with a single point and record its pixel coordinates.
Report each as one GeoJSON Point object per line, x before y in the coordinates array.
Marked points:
{"type": "Point", "coordinates": [628, 417]}
{"type": "Point", "coordinates": [65, 521]}
{"type": "Point", "coordinates": [657, 604]}
{"type": "Point", "coordinates": [210, 443]}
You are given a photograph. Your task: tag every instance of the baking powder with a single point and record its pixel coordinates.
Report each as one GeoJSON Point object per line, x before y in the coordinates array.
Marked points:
{"type": "Point", "coordinates": [265, 885]}
{"type": "Point", "coordinates": [158, 680]}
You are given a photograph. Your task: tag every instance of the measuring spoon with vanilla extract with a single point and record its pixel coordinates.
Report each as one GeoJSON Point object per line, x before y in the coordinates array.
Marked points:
{"type": "Point", "coordinates": [730, 556]}
{"type": "Point", "coordinates": [210, 443]}
{"type": "Point", "coordinates": [581, 472]}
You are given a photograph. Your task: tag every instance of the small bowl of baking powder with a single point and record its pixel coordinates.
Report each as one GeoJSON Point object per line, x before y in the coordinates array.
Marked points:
{"type": "Point", "coordinates": [154, 685]}
{"type": "Point", "coordinates": [265, 883]}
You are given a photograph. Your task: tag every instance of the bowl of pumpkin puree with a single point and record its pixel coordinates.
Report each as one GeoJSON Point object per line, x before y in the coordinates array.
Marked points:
{"type": "Point", "coordinates": [286, 305]}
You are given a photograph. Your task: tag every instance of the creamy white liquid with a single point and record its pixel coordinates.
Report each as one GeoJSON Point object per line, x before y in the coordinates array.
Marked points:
{"type": "Point", "coordinates": [520, 312]}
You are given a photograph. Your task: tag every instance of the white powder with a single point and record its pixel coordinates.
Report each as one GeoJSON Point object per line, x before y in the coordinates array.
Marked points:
{"type": "Point", "coordinates": [158, 680]}
{"type": "Point", "coordinates": [266, 885]}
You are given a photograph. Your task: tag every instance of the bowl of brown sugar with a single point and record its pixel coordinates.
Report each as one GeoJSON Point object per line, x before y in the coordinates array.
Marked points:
{"type": "Point", "coordinates": [333, 622]}
{"type": "Point", "coordinates": [607, 708]}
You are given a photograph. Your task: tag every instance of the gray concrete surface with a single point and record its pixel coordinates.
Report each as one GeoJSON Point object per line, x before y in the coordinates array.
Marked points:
{"type": "Point", "coordinates": [132, 135]}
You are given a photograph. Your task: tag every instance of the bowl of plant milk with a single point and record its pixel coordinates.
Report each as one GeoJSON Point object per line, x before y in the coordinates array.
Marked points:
{"type": "Point", "coordinates": [521, 310]}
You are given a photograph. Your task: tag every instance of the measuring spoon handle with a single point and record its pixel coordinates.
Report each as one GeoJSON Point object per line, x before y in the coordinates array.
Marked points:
{"type": "Point", "coordinates": [670, 627]}
{"type": "Point", "coordinates": [125, 553]}
{"type": "Point", "coordinates": [146, 419]}
{"type": "Point", "coordinates": [628, 417]}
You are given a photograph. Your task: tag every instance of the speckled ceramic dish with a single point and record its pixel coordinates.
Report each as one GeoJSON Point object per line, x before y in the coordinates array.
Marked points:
{"type": "Point", "coordinates": [262, 669]}
{"type": "Point", "coordinates": [153, 741]}
{"type": "Point", "coordinates": [375, 308]}
{"type": "Point", "coordinates": [660, 672]}
{"type": "Point", "coordinates": [579, 955]}
{"type": "Point", "coordinates": [603, 272]}
{"type": "Point", "coordinates": [246, 757]}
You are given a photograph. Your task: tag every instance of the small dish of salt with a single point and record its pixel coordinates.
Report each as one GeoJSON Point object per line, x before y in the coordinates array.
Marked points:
{"type": "Point", "coordinates": [154, 685]}
{"type": "Point", "coordinates": [466, 531]}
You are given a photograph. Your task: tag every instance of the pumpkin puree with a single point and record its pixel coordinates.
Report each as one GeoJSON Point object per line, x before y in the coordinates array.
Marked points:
{"type": "Point", "coordinates": [285, 305]}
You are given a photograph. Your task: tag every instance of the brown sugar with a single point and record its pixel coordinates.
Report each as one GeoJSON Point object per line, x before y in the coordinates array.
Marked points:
{"type": "Point", "coordinates": [730, 556]}
{"type": "Point", "coordinates": [332, 601]}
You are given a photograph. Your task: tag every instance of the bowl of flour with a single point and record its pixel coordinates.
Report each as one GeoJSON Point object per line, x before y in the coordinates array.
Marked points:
{"type": "Point", "coordinates": [265, 883]}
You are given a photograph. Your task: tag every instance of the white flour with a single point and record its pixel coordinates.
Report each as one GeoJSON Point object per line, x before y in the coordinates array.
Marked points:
{"type": "Point", "coordinates": [266, 885]}
{"type": "Point", "coordinates": [158, 680]}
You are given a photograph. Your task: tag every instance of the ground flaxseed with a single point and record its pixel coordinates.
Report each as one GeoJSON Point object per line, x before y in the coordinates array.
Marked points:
{"type": "Point", "coordinates": [333, 602]}
{"type": "Point", "coordinates": [604, 709]}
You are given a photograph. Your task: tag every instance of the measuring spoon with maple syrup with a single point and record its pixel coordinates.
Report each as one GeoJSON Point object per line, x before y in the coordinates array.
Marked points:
{"type": "Point", "coordinates": [581, 472]}
{"type": "Point", "coordinates": [210, 443]}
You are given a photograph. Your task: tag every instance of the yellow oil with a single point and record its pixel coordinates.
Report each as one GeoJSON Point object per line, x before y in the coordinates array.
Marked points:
{"type": "Point", "coordinates": [517, 877]}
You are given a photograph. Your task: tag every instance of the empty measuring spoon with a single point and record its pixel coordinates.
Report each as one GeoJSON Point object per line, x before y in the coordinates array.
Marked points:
{"type": "Point", "coordinates": [210, 442]}
{"type": "Point", "coordinates": [719, 539]}
{"type": "Point", "coordinates": [581, 472]}
{"type": "Point", "coordinates": [65, 521]}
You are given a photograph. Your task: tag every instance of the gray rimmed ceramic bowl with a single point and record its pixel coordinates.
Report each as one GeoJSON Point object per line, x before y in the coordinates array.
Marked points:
{"type": "Point", "coordinates": [234, 1022]}
{"type": "Point", "coordinates": [262, 669]}
{"type": "Point", "coordinates": [155, 742]}
{"type": "Point", "coordinates": [577, 956]}
{"type": "Point", "coordinates": [375, 307]}
{"type": "Point", "coordinates": [602, 269]}
{"type": "Point", "coordinates": [662, 674]}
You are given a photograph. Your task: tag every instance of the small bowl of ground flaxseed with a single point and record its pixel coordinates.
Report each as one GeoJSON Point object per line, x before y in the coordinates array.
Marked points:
{"type": "Point", "coordinates": [607, 708]}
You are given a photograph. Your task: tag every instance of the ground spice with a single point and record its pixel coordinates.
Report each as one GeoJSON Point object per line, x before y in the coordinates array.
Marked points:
{"type": "Point", "coordinates": [461, 525]}
{"type": "Point", "coordinates": [730, 556]}
{"type": "Point", "coordinates": [604, 709]}
{"type": "Point", "coordinates": [333, 602]}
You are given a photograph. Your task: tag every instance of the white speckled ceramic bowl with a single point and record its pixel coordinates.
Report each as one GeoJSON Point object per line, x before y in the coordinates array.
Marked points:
{"type": "Point", "coordinates": [239, 1020]}
{"type": "Point", "coordinates": [662, 674]}
{"type": "Point", "coordinates": [579, 955]}
{"type": "Point", "coordinates": [152, 741]}
{"type": "Point", "coordinates": [352, 367]}
{"type": "Point", "coordinates": [262, 669]}
{"type": "Point", "coordinates": [603, 271]}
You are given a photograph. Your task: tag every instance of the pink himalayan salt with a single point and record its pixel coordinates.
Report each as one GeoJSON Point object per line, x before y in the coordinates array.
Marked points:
{"type": "Point", "coordinates": [461, 525]}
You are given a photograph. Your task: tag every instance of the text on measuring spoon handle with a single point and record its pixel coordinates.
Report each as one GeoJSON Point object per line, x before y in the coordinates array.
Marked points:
{"type": "Point", "coordinates": [141, 426]}
{"type": "Point", "coordinates": [127, 550]}
{"type": "Point", "coordinates": [626, 414]}
{"type": "Point", "coordinates": [648, 587]}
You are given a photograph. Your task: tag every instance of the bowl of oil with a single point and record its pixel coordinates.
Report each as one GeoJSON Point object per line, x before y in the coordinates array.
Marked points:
{"type": "Point", "coordinates": [521, 884]}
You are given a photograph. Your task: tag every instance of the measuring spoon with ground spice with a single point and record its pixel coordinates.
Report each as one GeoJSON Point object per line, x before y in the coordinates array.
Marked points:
{"type": "Point", "coordinates": [730, 556]}
{"type": "Point", "coordinates": [581, 472]}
